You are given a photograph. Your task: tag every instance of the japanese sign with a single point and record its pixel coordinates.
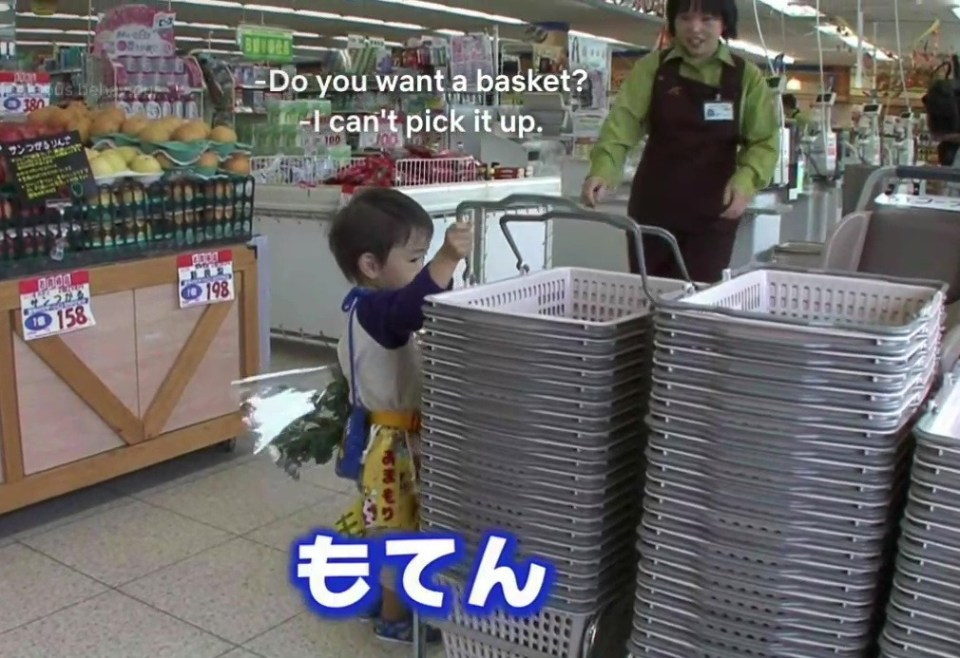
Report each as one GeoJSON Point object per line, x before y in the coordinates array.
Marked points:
{"type": "Point", "coordinates": [135, 30]}
{"type": "Point", "coordinates": [23, 92]}
{"type": "Point", "coordinates": [205, 278]}
{"type": "Point", "coordinates": [499, 583]}
{"type": "Point", "coordinates": [265, 44]}
{"type": "Point", "coordinates": [49, 167]}
{"type": "Point", "coordinates": [56, 304]}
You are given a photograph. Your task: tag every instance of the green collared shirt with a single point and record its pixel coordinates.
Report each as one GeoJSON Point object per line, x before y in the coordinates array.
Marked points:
{"type": "Point", "coordinates": [626, 123]}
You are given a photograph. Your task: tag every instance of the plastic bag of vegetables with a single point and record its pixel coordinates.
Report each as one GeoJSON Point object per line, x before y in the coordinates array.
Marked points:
{"type": "Point", "coordinates": [297, 416]}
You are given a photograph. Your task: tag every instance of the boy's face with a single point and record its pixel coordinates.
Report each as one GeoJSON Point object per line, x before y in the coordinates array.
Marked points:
{"type": "Point", "coordinates": [403, 263]}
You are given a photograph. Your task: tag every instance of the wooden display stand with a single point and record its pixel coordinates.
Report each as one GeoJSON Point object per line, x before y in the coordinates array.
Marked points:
{"type": "Point", "coordinates": [149, 382]}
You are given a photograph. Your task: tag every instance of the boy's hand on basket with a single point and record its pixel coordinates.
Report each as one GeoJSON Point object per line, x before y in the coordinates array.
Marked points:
{"type": "Point", "coordinates": [458, 242]}
{"type": "Point", "coordinates": [457, 245]}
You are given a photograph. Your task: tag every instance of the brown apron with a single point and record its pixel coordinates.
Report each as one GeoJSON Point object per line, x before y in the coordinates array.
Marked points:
{"type": "Point", "coordinates": [686, 165]}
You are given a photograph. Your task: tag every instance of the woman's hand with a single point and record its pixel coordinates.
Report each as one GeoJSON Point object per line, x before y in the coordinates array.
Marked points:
{"type": "Point", "coordinates": [734, 203]}
{"type": "Point", "coordinates": [593, 191]}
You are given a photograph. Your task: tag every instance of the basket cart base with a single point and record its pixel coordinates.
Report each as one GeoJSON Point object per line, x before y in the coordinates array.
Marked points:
{"type": "Point", "coordinates": [603, 634]}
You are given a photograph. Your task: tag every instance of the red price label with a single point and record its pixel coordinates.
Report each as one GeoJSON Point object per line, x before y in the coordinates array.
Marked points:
{"type": "Point", "coordinates": [332, 139]}
{"type": "Point", "coordinates": [388, 140]}
{"type": "Point", "coordinates": [31, 104]}
{"type": "Point", "coordinates": [205, 278]}
{"type": "Point", "coordinates": [219, 290]}
{"type": "Point", "coordinates": [73, 318]}
{"type": "Point", "coordinates": [55, 304]}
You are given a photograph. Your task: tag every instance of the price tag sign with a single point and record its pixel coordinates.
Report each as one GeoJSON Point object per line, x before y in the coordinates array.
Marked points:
{"type": "Point", "coordinates": [205, 278]}
{"type": "Point", "coordinates": [23, 92]}
{"type": "Point", "coordinates": [384, 138]}
{"type": "Point", "coordinates": [57, 304]}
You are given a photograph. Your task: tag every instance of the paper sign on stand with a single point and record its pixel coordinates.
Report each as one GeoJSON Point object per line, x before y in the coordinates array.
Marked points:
{"type": "Point", "coordinates": [205, 278]}
{"type": "Point", "coordinates": [57, 304]}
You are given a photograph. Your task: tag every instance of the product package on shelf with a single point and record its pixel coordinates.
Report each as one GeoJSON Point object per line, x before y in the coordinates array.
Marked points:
{"type": "Point", "coordinates": [126, 219]}
{"type": "Point", "coordinates": [298, 416]}
{"type": "Point", "coordinates": [408, 167]}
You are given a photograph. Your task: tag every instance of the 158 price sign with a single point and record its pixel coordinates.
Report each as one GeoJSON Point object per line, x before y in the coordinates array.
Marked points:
{"type": "Point", "coordinates": [205, 278]}
{"type": "Point", "coordinates": [56, 304]}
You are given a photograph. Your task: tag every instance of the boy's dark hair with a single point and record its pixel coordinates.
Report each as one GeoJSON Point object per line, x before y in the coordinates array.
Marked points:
{"type": "Point", "coordinates": [789, 102]}
{"type": "Point", "coordinates": [725, 10]}
{"type": "Point", "coordinates": [375, 221]}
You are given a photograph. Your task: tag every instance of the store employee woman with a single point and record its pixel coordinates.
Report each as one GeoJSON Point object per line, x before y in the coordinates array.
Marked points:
{"type": "Point", "coordinates": [713, 140]}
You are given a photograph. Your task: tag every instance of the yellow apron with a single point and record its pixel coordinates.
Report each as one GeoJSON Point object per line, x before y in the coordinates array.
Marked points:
{"type": "Point", "coordinates": [388, 498]}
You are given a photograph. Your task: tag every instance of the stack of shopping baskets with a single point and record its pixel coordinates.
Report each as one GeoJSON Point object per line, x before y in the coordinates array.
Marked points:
{"type": "Point", "coordinates": [923, 615]}
{"type": "Point", "coordinates": [533, 427]}
{"type": "Point", "coordinates": [777, 452]}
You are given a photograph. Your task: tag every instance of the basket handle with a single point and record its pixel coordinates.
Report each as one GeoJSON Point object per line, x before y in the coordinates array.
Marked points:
{"type": "Point", "coordinates": [514, 200]}
{"type": "Point", "coordinates": [944, 174]}
{"type": "Point", "coordinates": [466, 210]}
{"type": "Point", "coordinates": [616, 221]}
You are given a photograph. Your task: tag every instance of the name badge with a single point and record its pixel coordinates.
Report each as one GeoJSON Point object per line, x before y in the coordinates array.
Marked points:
{"type": "Point", "coordinates": [718, 111]}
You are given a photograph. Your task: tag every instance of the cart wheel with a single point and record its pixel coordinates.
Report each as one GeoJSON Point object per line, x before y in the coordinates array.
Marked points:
{"type": "Point", "coordinates": [227, 446]}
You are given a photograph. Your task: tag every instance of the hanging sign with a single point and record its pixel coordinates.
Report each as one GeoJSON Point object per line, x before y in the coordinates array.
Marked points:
{"type": "Point", "coordinates": [56, 304]}
{"type": "Point", "coordinates": [135, 30]}
{"type": "Point", "coordinates": [265, 44]}
{"type": "Point", "coordinates": [205, 278]}
{"type": "Point", "coordinates": [22, 92]}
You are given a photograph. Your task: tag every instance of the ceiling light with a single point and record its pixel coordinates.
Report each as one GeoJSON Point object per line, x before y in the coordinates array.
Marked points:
{"type": "Point", "coordinates": [956, 11]}
{"type": "Point", "coordinates": [389, 44]}
{"type": "Point", "coordinates": [205, 26]}
{"type": "Point", "coordinates": [228, 42]}
{"type": "Point", "coordinates": [48, 43]}
{"type": "Point", "coordinates": [792, 9]}
{"type": "Point", "coordinates": [458, 11]}
{"type": "Point", "coordinates": [453, 33]}
{"type": "Point", "coordinates": [71, 17]}
{"type": "Point", "coordinates": [854, 41]}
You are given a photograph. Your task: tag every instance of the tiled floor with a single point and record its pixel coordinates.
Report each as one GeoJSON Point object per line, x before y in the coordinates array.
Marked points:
{"type": "Point", "coordinates": [184, 560]}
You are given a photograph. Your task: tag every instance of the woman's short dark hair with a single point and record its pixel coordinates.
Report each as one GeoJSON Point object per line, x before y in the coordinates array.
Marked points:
{"type": "Point", "coordinates": [374, 222]}
{"type": "Point", "coordinates": [725, 10]}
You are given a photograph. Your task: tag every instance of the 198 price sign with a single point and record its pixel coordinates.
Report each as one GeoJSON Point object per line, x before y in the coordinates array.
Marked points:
{"type": "Point", "coordinates": [205, 278]}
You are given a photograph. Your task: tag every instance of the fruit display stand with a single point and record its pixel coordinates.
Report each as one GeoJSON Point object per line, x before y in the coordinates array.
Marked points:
{"type": "Point", "coordinates": [135, 147]}
{"type": "Point", "coordinates": [294, 211]}
{"type": "Point", "coordinates": [149, 377]}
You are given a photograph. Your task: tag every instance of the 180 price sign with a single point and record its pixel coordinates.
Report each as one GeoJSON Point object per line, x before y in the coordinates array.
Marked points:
{"type": "Point", "coordinates": [205, 278]}
{"type": "Point", "coordinates": [57, 304]}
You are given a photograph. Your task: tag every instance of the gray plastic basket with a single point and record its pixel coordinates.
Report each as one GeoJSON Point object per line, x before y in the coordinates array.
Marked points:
{"type": "Point", "coordinates": [777, 461]}
{"type": "Point", "coordinates": [923, 614]}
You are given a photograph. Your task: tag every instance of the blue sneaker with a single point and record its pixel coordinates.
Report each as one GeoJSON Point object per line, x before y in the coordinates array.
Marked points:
{"type": "Point", "coordinates": [402, 632]}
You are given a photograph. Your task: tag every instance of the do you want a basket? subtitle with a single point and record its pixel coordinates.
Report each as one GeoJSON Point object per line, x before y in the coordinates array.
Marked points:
{"type": "Point", "coordinates": [444, 122]}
